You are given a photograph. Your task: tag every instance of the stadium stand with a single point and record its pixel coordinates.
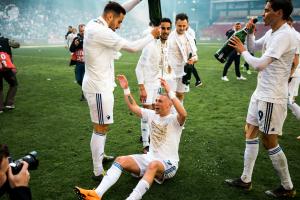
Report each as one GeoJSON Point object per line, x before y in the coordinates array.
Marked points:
{"type": "Point", "coordinates": [227, 12]}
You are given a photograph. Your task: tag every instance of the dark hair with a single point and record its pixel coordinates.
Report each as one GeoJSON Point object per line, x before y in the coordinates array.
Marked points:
{"type": "Point", "coordinates": [80, 25]}
{"type": "Point", "coordinates": [115, 7]}
{"type": "Point", "coordinates": [4, 153]}
{"type": "Point", "coordinates": [166, 20]}
{"type": "Point", "coordinates": [181, 16]}
{"type": "Point", "coordinates": [285, 5]}
{"type": "Point", "coordinates": [290, 19]}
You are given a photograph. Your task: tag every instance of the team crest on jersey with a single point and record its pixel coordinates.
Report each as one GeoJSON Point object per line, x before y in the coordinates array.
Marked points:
{"type": "Point", "coordinates": [158, 134]}
{"type": "Point", "coordinates": [108, 117]}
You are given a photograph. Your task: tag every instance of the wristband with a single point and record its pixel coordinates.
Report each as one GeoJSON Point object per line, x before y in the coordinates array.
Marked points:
{"type": "Point", "coordinates": [127, 91]}
{"type": "Point", "coordinates": [171, 95]}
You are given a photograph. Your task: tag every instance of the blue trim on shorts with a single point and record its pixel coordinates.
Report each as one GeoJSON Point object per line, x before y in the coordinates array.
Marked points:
{"type": "Point", "coordinates": [99, 108]}
{"type": "Point", "coordinates": [173, 168]}
{"type": "Point", "coordinates": [268, 117]}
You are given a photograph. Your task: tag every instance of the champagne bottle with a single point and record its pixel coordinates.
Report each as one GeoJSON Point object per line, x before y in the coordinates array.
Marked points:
{"type": "Point", "coordinates": [154, 12]}
{"type": "Point", "coordinates": [222, 54]}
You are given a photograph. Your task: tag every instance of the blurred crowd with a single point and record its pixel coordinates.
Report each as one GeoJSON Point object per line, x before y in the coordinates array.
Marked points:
{"type": "Point", "coordinates": [44, 24]}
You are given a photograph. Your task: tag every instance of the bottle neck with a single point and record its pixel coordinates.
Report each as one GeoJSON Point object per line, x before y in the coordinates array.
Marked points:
{"type": "Point", "coordinates": [246, 30]}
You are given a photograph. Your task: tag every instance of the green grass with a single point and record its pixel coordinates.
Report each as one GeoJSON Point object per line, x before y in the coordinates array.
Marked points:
{"type": "Point", "coordinates": [50, 119]}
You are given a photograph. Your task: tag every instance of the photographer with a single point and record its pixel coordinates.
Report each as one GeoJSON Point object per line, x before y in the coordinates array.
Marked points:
{"type": "Point", "coordinates": [8, 73]}
{"type": "Point", "coordinates": [77, 49]}
{"type": "Point", "coordinates": [15, 185]}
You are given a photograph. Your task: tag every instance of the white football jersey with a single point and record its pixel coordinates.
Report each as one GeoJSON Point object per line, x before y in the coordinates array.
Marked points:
{"type": "Point", "coordinates": [272, 82]}
{"type": "Point", "coordinates": [100, 45]}
{"type": "Point", "coordinates": [165, 133]}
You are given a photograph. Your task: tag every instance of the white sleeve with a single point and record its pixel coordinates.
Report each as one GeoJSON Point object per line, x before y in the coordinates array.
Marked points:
{"type": "Point", "coordinates": [138, 44]}
{"type": "Point", "coordinates": [257, 63]}
{"type": "Point", "coordinates": [130, 4]}
{"type": "Point", "coordinates": [254, 45]}
{"type": "Point", "coordinates": [139, 73]}
{"type": "Point", "coordinates": [280, 44]}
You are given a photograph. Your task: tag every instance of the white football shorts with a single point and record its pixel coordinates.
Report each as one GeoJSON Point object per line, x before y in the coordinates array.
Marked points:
{"type": "Point", "coordinates": [152, 94]}
{"type": "Point", "coordinates": [180, 87]}
{"type": "Point", "coordinates": [269, 117]}
{"type": "Point", "coordinates": [101, 107]}
{"type": "Point", "coordinates": [294, 86]}
{"type": "Point", "coordinates": [143, 160]}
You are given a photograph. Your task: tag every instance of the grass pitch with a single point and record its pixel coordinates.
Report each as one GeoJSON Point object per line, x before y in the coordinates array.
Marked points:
{"type": "Point", "coordinates": [50, 119]}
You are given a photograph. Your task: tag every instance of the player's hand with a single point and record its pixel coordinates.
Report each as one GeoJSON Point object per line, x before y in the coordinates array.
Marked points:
{"type": "Point", "coordinates": [165, 85]}
{"type": "Point", "coordinates": [122, 81]}
{"type": "Point", "coordinates": [250, 25]}
{"type": "Point", "coordinates": [143, 94]}
{"type": "Point", "coordinates": [190, 62]}
{"type": "Point", "coordinates": [156, 32]}
{"type": "Point", "coordinates": [20, 179]}
{"type": "Point", "coordinates": [236, 43]}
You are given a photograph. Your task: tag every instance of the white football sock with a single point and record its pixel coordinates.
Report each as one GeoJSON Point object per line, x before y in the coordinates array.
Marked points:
{"type": "Point", "coordinates": [97, 147]}
{"type": "Point", "coordinates": [295, 108]}
{"type": "Point", "coordinates": [145, 132]}
{"type": "Point", "coordinates": [111, 177]}
{"type": "Point", "coordinates": [250, 155]}
{"type": "Point", "coordinates": [141, 188]}
{"type": "Point", "coordinates": [280, 164]}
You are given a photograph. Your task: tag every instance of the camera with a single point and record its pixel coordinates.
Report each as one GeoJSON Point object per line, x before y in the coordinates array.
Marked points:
{"type": "Point", "coordinates": [30, 158]}
{"type": "Point", "coordinates": [80, 39]}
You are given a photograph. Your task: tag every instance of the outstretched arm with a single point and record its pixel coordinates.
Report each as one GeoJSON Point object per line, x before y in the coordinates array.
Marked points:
{"type": "Point", "coordinates": [132, 105]}
{"type": "Point", "coordinates": [141, 43]}
{"type": "Point", "coordinates": [181, 113]}
{"type": "Point", "coordinates": [130, 4]}
{"type": "Point", "coordinates": [257, 63]}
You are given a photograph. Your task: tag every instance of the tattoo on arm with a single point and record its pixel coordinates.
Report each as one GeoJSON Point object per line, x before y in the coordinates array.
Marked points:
{"type": "Point", "coordinates": [130, 99]}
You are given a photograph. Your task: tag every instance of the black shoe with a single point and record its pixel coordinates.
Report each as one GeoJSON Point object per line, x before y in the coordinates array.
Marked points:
{"type": "Point", "coordinates": [82, 98]}
{"type": "Point", "coordinates": [238, 183]}
{"type": "Point", "coordinates": [280, 192]}
{"type": "Point", "coordinates": [141, 139]}
{"type": "Point", "coordinates": [146, 150]}
{"type": "Point", "coordinates": [198, 83]}
{"type": "Point", "coordinates": [98, 178]}
{"type": "Point", "coordinates": [107, 158]}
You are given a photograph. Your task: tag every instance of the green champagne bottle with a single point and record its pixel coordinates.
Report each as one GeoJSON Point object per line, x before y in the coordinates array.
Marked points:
{"type": "Point", "coordinates": [155, 12]}
{"type": "Point", "coordinates": [222, 54]}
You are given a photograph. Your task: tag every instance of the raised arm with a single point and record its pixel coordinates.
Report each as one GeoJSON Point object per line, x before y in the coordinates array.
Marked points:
{"type": "Point", "coordinates": [130, 4]}
{"type": "Point", "coordinates": [181, 113]}
{"type": "Point", "coordinates": [257, 63]}
{"type": "Point", "coordinates": [132, 105]}
{"type": "Point", "coordinates": [141, 43]}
